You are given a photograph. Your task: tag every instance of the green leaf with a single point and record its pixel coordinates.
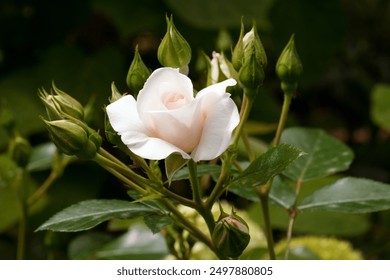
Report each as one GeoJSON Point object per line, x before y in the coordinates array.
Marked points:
{"type": "Point", "coordinates": [282, 194]}
{"type": "Point", "coordinates": [262, 169]}
{"type": "Point", "coordinates": [156, 223]}
{"type": "Point", "coordinates": [138, 243]}
{"type": "Point", "coordinates": [349, 195]}
{"type": "Point", "coordinates": [172, 164]}
{"type": "Point", "coordinates": [204, 169]}
{"type": "Point", "coordinates": [380, 104]}
{"type": "Point", "coordinates": [89, 213]}
{"type": "Point", "coordinates": [325, 154]}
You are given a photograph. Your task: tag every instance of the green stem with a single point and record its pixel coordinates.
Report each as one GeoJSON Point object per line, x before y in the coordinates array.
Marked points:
{"type": "Point", "coordinates": [188, 225]}
{"type": "Point", "coordinates": [113, 163]}
{"type": "Point", "coordinates": [293, 215]}
{"type": "Point", "coordinates": [197, 197]}
{"type": "Point", "coordinates": [248, 147]}
{"type": "Point", "coordinates": [267, 222]}
{"type": "Point", "coordinates": [179, 198]}
{"type": "Point", "coordinates": [138, 160]}
{"type": "Point", "coordinates": [264, 191]}
{"type": "Point", "coordinates": [123, 178]}
{"type": "Point", "coordinates": [43, 188]}
{"type": "Point", "coordinates": [283, 118]}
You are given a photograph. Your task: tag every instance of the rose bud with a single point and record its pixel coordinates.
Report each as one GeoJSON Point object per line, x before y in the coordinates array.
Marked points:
{"type": "Point", "coordinates": [69, 137]}
{"type": "Point", "coordinates": [174, 50]}
{"type": "Point", "coordinates": [231, 235]}
{"type": "Point", "coordinates": [138, 73]}
{"type": "Point", "coordinates": [20, 150]}
{"type": "Point", "coordinates": [289, 67]}
{"type": "Point", "coordinates": [61, 103]}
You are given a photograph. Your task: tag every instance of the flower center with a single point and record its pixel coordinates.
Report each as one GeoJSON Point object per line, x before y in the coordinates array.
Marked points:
{"type": "Point", "coordinates": [174, 100]}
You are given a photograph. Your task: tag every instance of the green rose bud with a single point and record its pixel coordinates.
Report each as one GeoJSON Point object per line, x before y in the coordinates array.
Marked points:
{"type": "Point", "coordinates": [174, 50]}
{"type": "Point", "coordinates": [231, 235]}
{"type": "Point", "coordinates": [251, 75]}
{"type": "Point", "coordinates": [250, 59]}
{"type": "Point", "coordinates": [69, 137]}
{"type": "Point", "coordinates": [60, 103]}
{"type": "Point", "coordinates": [138, 73]}
{"type": "Point", "coordinates": [238, 52]}
{"type": "Point", "coordinates": [20, 150]}
{"type": "Point", "coordinates": [289, 67]}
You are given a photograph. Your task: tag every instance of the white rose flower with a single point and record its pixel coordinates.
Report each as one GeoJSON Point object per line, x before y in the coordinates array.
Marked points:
{"type": "Point", "coordinates": [166, 118]}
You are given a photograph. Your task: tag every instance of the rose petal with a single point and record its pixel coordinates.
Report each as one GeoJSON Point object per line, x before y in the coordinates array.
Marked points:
{"type": "Point", "coordinates": [123, 115]}
{"type": "Point", "coordinates": [163, 83]}
{"type": "Point", "coordinates": [221, 118]}
{"type": "Point", "coordinates": [181, 127]}
{"type": "Point", "coordinates": [124, 119]}
{"type": "Point", "coordinates": [150, 147]}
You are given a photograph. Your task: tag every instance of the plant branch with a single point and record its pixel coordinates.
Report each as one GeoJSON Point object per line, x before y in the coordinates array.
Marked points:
{"type": "Point", "coordinates": [197, 197]}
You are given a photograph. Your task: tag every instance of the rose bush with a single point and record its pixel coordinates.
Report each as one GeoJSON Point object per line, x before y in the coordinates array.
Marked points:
{"type": "Point", "coordinates": [166, 118]}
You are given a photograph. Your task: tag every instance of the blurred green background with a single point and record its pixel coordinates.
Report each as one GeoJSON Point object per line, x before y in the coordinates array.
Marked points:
{"type": "Point", "coordinates": [85, 45]}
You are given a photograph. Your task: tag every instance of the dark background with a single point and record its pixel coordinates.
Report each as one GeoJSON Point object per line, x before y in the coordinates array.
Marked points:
{"type": "Point", "coordinates": [85, 45]}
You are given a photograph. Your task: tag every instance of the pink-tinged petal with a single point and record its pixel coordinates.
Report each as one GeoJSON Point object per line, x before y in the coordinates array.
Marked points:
{"type": "Point", "coordinates": [123, 115]}
{"type": "Point", "coordinates": [124, 119]}
{"type": "Point", "coordinates": [221, 117]}
{"type": "Point", "coordinates": [164, 86]}
{"type": "Point", "coordinates": [181, 127]}
{"type": "Point", "coordinates": [150, 147]}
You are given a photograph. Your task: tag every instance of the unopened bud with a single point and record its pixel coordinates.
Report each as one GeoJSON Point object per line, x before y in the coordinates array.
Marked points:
{"type": "Point", "coordinates": [20, 150]}
{"type": "Point", "coordinates": [289, 67]}
{"type": "Point", "coordinates": [174, 50]}
{"type": "Point", "coordinates": [253, 44]}
{"type": "Point", "coordinates": [60, 103]}
{"type": "Point", "coordinates": [231, 235]}
{"type": "Point", "coordinates": [138, 73]}
{"type": "Point", "coordinates": [250, 58]}
{"type": "Point", "coordinates": [238, 52]}
{"type": "Point", "coordinates": [69, 137]}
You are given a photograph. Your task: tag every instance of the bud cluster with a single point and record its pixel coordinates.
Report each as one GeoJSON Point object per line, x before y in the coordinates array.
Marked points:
{"type": "Point", "coordinates": [66, 124]}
